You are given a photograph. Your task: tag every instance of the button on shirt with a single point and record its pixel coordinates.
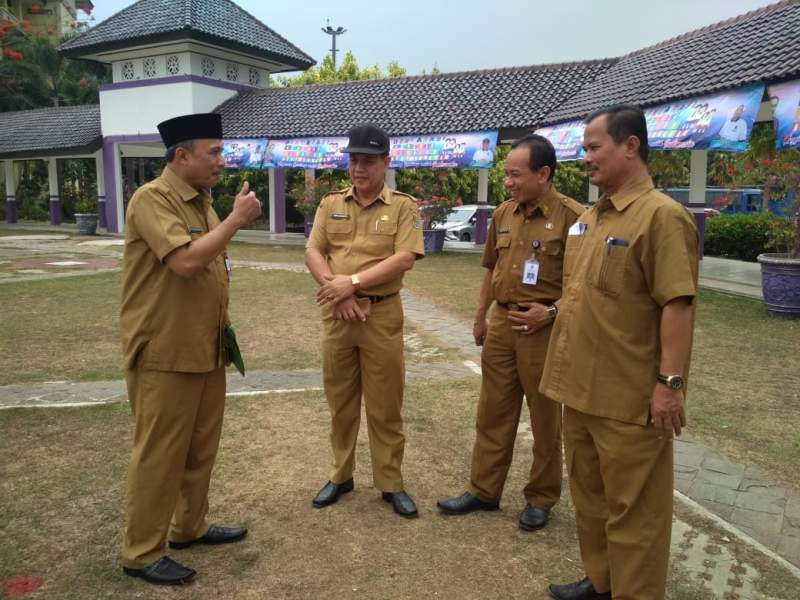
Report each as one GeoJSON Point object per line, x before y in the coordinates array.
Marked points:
{"type": "Point", "coordinates": [510, 243]}
{"type": "Point", "coordinates": [355, 238]}
{"type": "Point", "coordinates": [169, 322]}
{"type": "Point", "coordinates": [637, 251]}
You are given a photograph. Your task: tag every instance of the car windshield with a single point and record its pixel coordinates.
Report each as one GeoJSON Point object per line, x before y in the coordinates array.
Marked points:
{"type": "Point", "coordinates": [459, 215]}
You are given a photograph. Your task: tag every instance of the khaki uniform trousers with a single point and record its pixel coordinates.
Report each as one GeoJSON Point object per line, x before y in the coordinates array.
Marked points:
{"type": "Point", "coordinates": [512, 366]}
{"type": "Point", "coordinates": [178, 424]}
{"type": "Point", "coordinates": [621, 481]}
{"type": "Point", "coordinates": [366, 358]}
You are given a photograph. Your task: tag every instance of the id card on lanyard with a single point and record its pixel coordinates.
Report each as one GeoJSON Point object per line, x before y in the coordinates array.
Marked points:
{"type": "Point", "coordinates": [530, 270]}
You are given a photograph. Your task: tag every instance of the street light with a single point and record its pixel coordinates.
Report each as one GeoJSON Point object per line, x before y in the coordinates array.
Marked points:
{"type": "Point", "coordinates": [333, 33]}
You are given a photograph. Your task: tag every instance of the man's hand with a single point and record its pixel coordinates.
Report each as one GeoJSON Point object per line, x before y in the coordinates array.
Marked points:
{"type": "Point", "coordinates": [246, 206]}
{"type": "Point", "coordinates": [480, 328]}
{"type": "Point", "coordinates": [350, 309]}
{"type": "Point", "coordinates": [530, 321]}
{"type": "Point", "coordinates": [666, 410]}
{"type": "Point", "coordinates": [336, 289]}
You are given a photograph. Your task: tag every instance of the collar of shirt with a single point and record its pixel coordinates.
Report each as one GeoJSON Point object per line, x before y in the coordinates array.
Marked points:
{"type": "Point", "coordinates": [385, 196]}
{"type": "Point", "coordinates": [627, 194]}
{"type": "Point", "coordinates": [181, 187]}
{"type": "Point", "coordinates": [545, 205]}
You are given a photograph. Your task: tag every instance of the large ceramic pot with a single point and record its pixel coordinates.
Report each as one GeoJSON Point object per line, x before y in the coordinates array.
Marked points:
{"type": "Point", "coordinates": [434, 239]}
{"type": "Point", "coordinates": [780, 284]}
{"type": "Point", "coordinates": [87, 223]}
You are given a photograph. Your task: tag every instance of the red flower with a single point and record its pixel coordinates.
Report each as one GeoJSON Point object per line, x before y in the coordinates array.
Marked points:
{"type": "Point", "coordinates": [766, 162]}
{"type": "Point", "coordinates": [12, 54]}
{"type": "Point", "coordinates": [83, 83]}
{"type": "Point", "coordinates": [748, 166]}
{"type": "Point", "coordinates": [731, 170]}
{"type": "Point", "coordinates": [35, 8]}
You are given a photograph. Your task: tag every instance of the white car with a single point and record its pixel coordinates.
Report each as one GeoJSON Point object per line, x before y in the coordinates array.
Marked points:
{"type": "Point", "coordinates": [460, 223]}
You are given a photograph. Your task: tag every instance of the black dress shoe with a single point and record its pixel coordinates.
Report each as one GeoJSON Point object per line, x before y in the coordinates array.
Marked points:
{"type": "Point", "coordinates": [164, 571]}
{"type": "Point", "coordinates": [330, 493]}
{"type": "Point", "coordinates": [402, 503]}
{"type": "Point", "coordinates": [580, 590]}
{"type": "Point", "coordinates": [464, 504]}
{"type": "Point", "coordinates": [532, 518]}
{"type": "Point", "coordinates": [215, 535]}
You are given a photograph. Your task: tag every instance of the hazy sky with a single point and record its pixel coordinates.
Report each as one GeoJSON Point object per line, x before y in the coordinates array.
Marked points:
{"type": "Point", "coordinates": [461, 35]}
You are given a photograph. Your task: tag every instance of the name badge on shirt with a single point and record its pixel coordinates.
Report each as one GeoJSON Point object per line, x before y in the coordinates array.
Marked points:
{"type": "Point", "coordinates": [195, 230]}
{"type": "Point", "coordinates": [505, 230]}
{"type": "Point", "coordinates": [577, 228]}
{"type": "Point", "coordinates": [340, 216]}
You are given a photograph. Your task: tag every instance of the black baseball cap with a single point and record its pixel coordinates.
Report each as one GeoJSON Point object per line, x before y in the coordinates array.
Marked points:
{"type": "Point", "coordinates": [367, 139]}
{"type": "Point", "coordinates": [190, 127]}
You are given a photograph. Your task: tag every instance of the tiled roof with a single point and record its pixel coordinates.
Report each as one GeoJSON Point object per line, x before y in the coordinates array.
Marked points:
{"type": "Point", "coordinates": [452, 102]}
{"type": "Point", "coordinates": [762, 45]}
{"type": "Point", "coordinates": [50, 129]}
{"type": "Point", "coordinates": [220, 22]}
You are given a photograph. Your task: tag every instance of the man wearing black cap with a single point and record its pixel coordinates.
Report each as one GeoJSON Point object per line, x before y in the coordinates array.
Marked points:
{"type": "Point", "coordinates": [174, 308]}
{"type": "Point", "coordinates": [363, 240]}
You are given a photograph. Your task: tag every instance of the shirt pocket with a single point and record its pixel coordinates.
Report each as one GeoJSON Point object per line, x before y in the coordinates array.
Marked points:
{"type": "Point", "coordinates": [380, 238]}
{"type": "Point", "coordinates": [551, 260]}
{"type": "Point", "coordinates": [503, 242]}
{"type": "Point", "coordinates": [339, 229]}
{"type": "Point", "coordinates": [572, 249]}
{"type": "Point", "coordinates": [610, 277]}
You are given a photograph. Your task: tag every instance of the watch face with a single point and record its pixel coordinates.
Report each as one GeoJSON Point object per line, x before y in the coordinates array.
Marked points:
{"type": "Point", "coordinates": [676, 382]}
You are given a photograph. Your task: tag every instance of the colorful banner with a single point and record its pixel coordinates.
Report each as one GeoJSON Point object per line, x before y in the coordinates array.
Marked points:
{"type": "Point", "coordinates": [716, 122]}
{"type": "Point", "coordinates": [306, 153]}
{"type": "Point", "coordinates": [475, 150]}
{"type": "Point", "coordinates": [243, 154]}
{"type": "Point", "coordinates": [567, 139]}
{"type": "Point", "coordinates": [785, 100]}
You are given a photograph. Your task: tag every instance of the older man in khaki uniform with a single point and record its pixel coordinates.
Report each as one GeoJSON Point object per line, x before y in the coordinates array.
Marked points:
{"type": "Point", "coordinates": [174, 308]}
{"type": "Point", "coordinates": [362, 242]}
{"type": "Point", "coordinates": [618, 359]}
{"type": "Point", "coordinates": [523, 256]}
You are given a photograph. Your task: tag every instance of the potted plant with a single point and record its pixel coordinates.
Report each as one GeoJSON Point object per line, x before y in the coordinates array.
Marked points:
{"type": "Point", "coordinates": [86, 216]}
{"type": "Point", "coordinates": [435, 202]}
{"type": "Point", "coordinates": [780, 271]}
{"type": "Point", "coordinates": [307, 196]}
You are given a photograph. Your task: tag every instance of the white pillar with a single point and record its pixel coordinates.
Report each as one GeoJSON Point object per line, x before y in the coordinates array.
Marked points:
{"type": "Point", "coordinates": [594, 193]}
{"type": "Point", "coordinates": [11, 187]}
{"type": "Point", "coordinates": [120, 199]}
{"type": "Point", "coordinates": [482, 215]}
{"type": "Point", "coordinates": [271, 179]}
{"type": "Point", "coordinates": [54, 203]}
{"type": "Point", "coordinates": [391, 178]}
{"type": "Point", "coordinates": [698, 174]}
{"type": "Point", "coordinates": [101, 188]}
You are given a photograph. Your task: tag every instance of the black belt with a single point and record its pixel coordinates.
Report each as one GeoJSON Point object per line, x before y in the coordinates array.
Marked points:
{"type": "Point", "coordinates": [517, 308]}
{"type": "Point", "coordinates": [376, 299]}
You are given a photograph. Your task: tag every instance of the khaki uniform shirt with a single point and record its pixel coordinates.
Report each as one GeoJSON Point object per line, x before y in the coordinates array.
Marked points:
{"type": "Point", "coordinates": [169, 322]}
{"type": "Point", "coordinates": [510, 243]}
{"type": "Point", "coordinates": [625, 259]}
{"type": "Point", "coordinates": [355, 238]}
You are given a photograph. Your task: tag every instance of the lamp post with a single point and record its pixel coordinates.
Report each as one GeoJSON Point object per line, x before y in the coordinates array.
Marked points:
{"type": "Point", "coordinates": [333, 33]}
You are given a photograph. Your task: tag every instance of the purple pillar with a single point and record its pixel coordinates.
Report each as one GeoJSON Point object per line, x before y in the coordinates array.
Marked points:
{"type": "Point", "coordinates": [481, 224]}
{"type": "Point", "coordinates": [55, 210]}
{"type": "Point", "coordinates": [280, 200]}
{"type": "Point", "coordinates": [11, 209]}
{"type": "Point", "coordinates": [110, 160]}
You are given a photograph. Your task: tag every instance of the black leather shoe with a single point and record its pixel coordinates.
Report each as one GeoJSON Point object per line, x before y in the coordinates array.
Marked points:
{"type": "Point", "coordinates": [402, 503]}
{"type": "Point", "coordinates": [580, 590]}
{"type": "Point", "coordinates": [465, 503]}
{"type": "Point", "coordinates": [330, 493]}
{"type": "Point", "coordinates": [532, 518]}
{"type": "Point", "coordinates": [215, 535]}
{"type": "Point", "coordinates": [164, 571]}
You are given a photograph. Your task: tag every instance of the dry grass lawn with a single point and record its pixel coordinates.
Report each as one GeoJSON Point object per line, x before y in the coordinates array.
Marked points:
{"type": "Point", "coordinates": [61, 509]}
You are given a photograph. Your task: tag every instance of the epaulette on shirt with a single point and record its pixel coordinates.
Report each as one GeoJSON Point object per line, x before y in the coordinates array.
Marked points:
{"type": "Point", "coordinates": [572, 205]}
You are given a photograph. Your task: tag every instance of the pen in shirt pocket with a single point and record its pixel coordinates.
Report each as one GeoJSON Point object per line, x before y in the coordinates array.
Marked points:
{"type": "Point", "coordinates": [612, 241]}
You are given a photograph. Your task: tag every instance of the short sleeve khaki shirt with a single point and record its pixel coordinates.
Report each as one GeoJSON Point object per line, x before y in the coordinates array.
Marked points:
{"type": "Point", "coordinates": [626, 257]}
{"type": "Point", "coordinates": [354, 238]}
{"type": "Point", "coordinates": [169, 322]}
{"type": "Point", "coordinates": [510, 243]}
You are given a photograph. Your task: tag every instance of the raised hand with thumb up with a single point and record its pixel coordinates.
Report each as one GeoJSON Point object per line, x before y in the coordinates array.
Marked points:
{"type": "Point", "coordinates": [246, 206]}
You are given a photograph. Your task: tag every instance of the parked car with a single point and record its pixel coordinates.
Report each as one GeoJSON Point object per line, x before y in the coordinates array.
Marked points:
{"type": "Point", "coordinates": [460, 223]}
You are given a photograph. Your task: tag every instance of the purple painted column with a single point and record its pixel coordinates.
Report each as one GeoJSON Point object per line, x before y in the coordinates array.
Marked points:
{"type": "Point", "coordinates": [280, 200]}
{"type": "Point", "coordinates": [110, 160]}
{"type": "Point", "coordinates": [101, 211]}
{"type": "Point", "coordinates": [11, 209]}
{"type": "Point", "coordinates": [481, 224]}
{"type": "Point", "coordinates": [55, 210]}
